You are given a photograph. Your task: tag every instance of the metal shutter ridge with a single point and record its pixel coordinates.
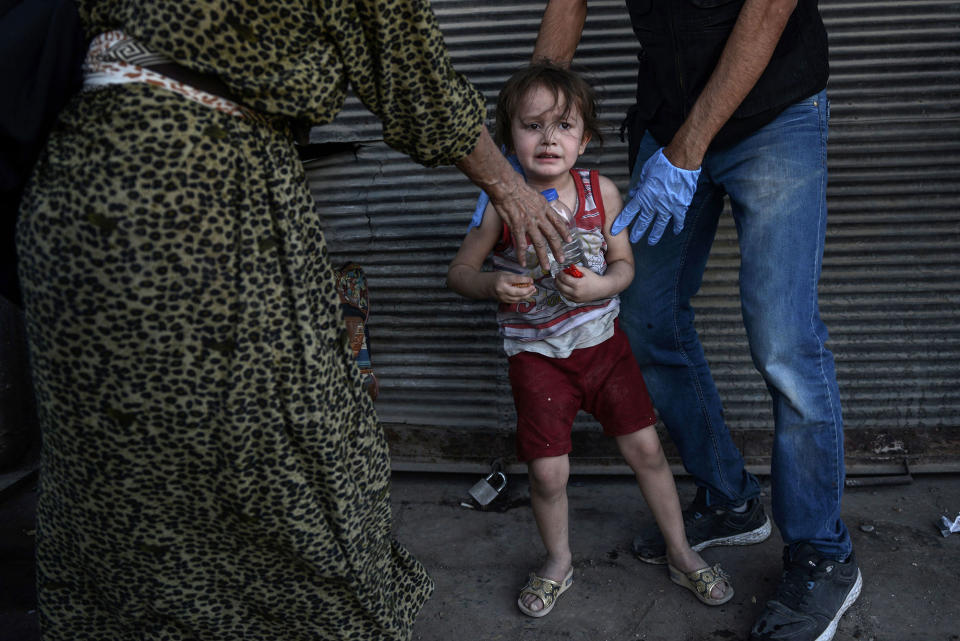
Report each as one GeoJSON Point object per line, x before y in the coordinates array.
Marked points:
{"type": "Point", "coordinates": [889, 291]}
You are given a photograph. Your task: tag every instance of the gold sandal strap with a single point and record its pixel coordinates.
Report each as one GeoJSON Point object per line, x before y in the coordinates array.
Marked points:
{"type": "Point", "coordinates": [547, 590]}
{"type": "Point", "coordinates": [708, 578]}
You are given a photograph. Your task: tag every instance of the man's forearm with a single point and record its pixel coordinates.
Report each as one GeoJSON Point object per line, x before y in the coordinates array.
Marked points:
{"type": "Point", "coordinates": [745, 56]}
{"type": "Point", "coordinates": [560, 31]}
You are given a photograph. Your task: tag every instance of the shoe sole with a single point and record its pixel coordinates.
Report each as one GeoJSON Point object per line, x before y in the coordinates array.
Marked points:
{"type": "Point", "coordinates": [852, 595]}
{"type": "Point", "coordinates": [752, 537]}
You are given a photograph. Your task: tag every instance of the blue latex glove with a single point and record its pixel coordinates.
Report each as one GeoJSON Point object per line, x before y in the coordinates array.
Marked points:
{"type": "Point", "coordinates": [664, 191]}
{"type": "Point", "coordinates": [484, 199]}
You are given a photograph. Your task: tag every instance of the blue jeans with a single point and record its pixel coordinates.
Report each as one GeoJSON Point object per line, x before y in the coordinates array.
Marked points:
{"type": "Point", "coordinates": [776, 180]}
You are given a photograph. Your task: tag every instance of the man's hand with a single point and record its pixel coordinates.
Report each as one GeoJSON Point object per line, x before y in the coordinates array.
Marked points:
{"type": "Point", "coordinates": [664, 192]}
{"type": "Point", "coordinates": [665, 188]}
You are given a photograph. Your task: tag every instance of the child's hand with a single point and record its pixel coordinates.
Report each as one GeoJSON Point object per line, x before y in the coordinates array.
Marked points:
{"type": "Point", "coordinates": [513, 288]}
{"type": "Point", "coordinates": [586, 287]}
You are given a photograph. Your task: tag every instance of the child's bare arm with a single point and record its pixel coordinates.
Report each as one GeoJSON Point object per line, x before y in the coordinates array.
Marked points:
{"type": "Point", "coordinates": [619, 252]}
{"type": "Point", "coordinates": [619, 257]}
{"type": "Point", "coordinates": [465, 275]}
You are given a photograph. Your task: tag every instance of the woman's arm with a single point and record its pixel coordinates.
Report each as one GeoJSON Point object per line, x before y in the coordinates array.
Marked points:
{"type": "Point", "coordinates": [401, 71]}
{"type": "Point", "coordinates": [524, 210]}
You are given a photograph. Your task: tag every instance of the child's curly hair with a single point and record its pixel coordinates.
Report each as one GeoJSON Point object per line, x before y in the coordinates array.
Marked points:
{"type": "Point", "coordinates": [563, 82]}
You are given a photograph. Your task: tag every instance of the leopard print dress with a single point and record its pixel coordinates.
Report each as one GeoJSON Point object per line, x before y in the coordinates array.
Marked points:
{"type": "Point", "coordinates": [211, 466]}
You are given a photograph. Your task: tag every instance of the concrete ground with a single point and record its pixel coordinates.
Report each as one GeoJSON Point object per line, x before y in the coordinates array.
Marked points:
{"type": "Point", "coordinates": [479, 560]}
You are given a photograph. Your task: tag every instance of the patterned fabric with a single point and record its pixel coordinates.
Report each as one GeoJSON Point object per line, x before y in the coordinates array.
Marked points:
{"type": "Point", "coordinates": [355, 304]}
{"type": "Point", "coordinates": [212, 467]}
{"type": "Point", "coordinates": [295, 58]}
{"type": "Point", "coordinates": [114, 58]}
{"type": "Point", "coordinates": [548, 324]}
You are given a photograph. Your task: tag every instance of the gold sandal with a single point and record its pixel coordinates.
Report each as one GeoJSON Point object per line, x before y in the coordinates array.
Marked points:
{"type": "Point", "coordinates": [547, 590]}
{"type": "Point", "coordinates": [701, 582]}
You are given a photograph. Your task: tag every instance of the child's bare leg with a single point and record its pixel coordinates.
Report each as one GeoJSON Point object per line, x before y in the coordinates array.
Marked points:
{"type": "Point", "coordinates": [548, 497]}
{"type": "Point", "coordinates": [645, 456]}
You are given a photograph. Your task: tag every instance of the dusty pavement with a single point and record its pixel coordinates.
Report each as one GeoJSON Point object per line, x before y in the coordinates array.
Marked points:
{"type": "Point", "coordinates": [480, 559]}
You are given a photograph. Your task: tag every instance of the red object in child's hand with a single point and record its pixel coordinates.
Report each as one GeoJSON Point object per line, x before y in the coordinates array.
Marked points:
{"type": "Point", "coordinates": [573, 271]}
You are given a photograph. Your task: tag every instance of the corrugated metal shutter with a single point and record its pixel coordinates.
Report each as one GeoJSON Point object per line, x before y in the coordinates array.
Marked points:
{"type": "Point", "coordinates": [889, 291]}
{"type": "Point", "coordinates": [891, 277]}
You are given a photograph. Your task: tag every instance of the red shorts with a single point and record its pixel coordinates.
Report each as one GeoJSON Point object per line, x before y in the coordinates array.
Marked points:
{"type": "Point", "coordinates": [603, 380]}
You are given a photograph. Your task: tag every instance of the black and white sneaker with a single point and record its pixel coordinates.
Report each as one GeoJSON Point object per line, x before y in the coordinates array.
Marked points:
{"type": "Point", "coordinates": [706, 527]}
{"type": "Point", "coordinates": [813, 594]}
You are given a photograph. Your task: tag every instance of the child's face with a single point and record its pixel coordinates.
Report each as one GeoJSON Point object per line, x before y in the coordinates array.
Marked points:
{"type": "Point", "coordinates": [547, 144]}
